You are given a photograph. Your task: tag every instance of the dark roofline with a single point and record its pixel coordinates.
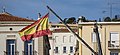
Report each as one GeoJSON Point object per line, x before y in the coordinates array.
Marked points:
{"type": "Point", "coordinates": [7, 17]}
{"type": "Point", "coordinates": [63, 30]}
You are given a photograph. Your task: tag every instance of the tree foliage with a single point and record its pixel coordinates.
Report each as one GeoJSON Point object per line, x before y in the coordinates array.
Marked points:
{"type": "Point", "coordinates": [71, 20]}
{"type": "Point", "coordinates": [107, 19]}
{"type": "Point", "coordinates": [82, 18]}
{"type": "Point", "coordinates": [116, 19]}
{"type": "Point", "coordinates": [65, 20]}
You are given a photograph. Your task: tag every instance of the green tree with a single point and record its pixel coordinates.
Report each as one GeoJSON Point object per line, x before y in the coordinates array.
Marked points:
{"type": "Point", "coordinates": [116, 18]}
{"type": "Point", "coordinates": [107, 19]}
{"type": "Point", "coordinates": [71, 20]}
{"type": "Point", "coordinates": [82, 18]}
{"type": "Point", "coordinates": [65, 20]}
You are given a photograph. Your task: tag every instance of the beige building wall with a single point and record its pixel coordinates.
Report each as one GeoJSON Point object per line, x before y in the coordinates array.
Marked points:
{"type": "Point", "coordinates": [105, 28]}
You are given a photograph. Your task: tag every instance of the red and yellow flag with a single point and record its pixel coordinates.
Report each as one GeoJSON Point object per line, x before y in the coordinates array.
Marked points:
{"type": "Point", "coordinates": [37, 29]}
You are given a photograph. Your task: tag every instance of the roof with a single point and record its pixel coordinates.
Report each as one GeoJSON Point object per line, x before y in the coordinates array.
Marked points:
{"type": "Point", "coordinates": [91, 23]}
{"type": "Point", "coordinates": [63, 30]}
{"type": "Point", "coordinates": [8, 17]}
{"type": "Point", "coordinates": [53, 24]}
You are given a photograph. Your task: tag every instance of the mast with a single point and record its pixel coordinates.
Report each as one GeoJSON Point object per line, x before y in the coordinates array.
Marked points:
{"type": "Point", "coordinates": [98, 39]}
{"type": "Point", "coordinates": [79, 38]}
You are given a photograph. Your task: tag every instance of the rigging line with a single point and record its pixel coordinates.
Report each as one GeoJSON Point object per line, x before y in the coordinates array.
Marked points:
{"type": "Point", "coordinates": [79, 38]}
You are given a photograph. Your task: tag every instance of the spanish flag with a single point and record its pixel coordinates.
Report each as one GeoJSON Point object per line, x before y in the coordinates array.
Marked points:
{"type": "Point", "coordinates": [36, 29]}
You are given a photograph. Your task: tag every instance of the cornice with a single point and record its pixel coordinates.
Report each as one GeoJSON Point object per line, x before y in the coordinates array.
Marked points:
{"type": "Point", "coordinates": [8, 31]}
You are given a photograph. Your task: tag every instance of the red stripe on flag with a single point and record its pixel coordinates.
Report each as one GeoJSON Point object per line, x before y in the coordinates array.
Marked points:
{"type": "Point", "coordinates": [37, 33]}
{"type": "Point", "coordinates": [36, 22]}
{"type": "Point", "coordinates": [42, 33]}
{"type": "Point", "coordinates": [26, 37]}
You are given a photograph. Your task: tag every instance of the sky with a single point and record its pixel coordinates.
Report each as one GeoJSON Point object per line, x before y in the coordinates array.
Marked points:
{"type": "Point", "coordinates": [91, 9]}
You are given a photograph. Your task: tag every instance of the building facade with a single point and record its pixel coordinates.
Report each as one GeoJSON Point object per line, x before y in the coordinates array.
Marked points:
{"type": "Point", "coordinates": [63, 42]}
{"type": "Point", "coordinates": [109, 33]}
{"type": "Point", "coordinates": [11, 43]}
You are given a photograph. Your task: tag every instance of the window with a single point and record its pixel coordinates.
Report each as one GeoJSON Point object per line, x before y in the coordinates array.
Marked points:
{"type": "Point", "coordinates": [113, 53]}
{"type": "Point", "coordinates": [57, 26]}
{"type": "Point", "coordinates": [53, 26]}
{"type": "Point", "coordinates": [65, 39]}
{"type": "Point", "coordinates": [93, 37]}
{"type": "Point", "coordinates": [28, 47]}
{"type": "Point", "coordinates": [114, 38]}
{"type": "Point", "coordinates": [11, 29]}
{"type": "Point", "coordinates": [71, 38]}
{"type": "Point", "coordinates": [64, 49]}
{"type": "Point", "coordinates": [10, 47]}
{"type": "Point", "coordinates": [56, 39]}
{"type": "Point", "coordinates": [56, 49]}
{"type": "Point", "coordinates": [71, 49]}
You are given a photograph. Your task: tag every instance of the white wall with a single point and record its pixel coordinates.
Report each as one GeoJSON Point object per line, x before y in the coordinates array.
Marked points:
{"type": "Point", "coordinates": [2, 44]}
{"type": "Point", "coordinates": [60, 43]}
{"type": "Point", "coordinates": [5, 30]}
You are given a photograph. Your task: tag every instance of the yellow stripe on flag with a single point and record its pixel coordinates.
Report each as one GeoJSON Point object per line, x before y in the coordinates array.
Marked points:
{"type": "Point", "coordinates": [38, 28]}
{"type": "Point", "coordinates": [28, 31]}
{"type": "Point", "coordinates": [42, 25]}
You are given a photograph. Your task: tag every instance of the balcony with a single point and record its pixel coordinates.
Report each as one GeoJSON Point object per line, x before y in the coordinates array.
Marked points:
{"type": "Point", "coordinates": [12, 53]}
{"type": "Point", "coordinates": [33, 53]}
{"type": "Point", "coordinates": [114, 45]}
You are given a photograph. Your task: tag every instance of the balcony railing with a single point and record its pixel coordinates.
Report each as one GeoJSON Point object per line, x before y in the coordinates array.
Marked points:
{"type": "Point", "coordinates": [13, 53]}
{"type": "Point", "coordinates": [114, 45]}
{"type": "Point", "coordinates": [33, 53]}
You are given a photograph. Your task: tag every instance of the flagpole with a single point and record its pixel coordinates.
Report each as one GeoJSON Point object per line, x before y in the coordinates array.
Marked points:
{"type": "Point", "coordinates": [98, 39]}
{"type": "Point", "coordinates": [79, 38]}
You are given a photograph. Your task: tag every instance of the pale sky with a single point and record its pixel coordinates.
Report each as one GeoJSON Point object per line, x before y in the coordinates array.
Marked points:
{"type": "Point", "coordinates": [91, 9]}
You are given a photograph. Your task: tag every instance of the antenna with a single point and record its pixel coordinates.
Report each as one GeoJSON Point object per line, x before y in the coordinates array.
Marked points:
{"type": "Point", "coordinates": [111, 3]}
{"type": "Point", "coordinates": [3, 9]}
{"type": "Point", "coordinates": [39, 15]}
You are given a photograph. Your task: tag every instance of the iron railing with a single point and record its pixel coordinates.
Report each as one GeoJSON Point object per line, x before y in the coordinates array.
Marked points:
{"type": "Point", "coordinates": [32, 53]}
{"type": "Point", "coordinates": [13, 53]}
{"type": "Point", "coordinates": [114, 44]}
